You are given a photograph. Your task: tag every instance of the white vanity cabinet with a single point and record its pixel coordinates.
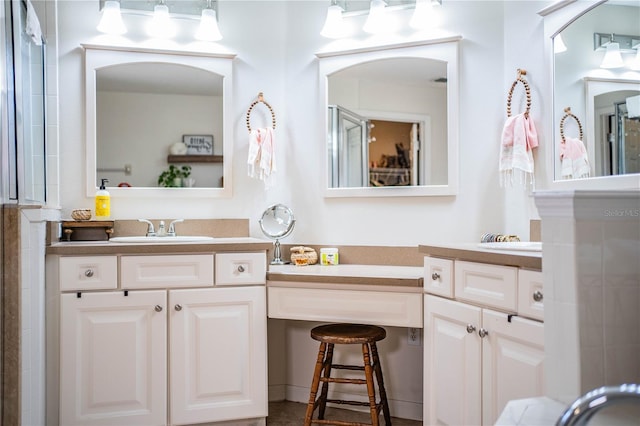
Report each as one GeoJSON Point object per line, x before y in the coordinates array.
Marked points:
{"type": "Point", "coordinates": [479, 353]}
{"type": "Point", "coordinates": [167, 346]}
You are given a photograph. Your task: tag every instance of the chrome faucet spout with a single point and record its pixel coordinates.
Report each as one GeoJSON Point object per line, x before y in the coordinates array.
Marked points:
{"type": "Point", "coordinates": [162, 232]}
{"type": "Point", "coordinates": [151, 232]}
{"type": "Point", "coordinates": [583, 408]}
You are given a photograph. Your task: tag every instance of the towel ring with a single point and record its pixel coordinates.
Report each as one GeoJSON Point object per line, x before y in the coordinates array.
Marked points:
{"type": "Point", "coordinates": [256, 102]}
{"type": "Point", "coordinates": [567, 114]}
{"type": "Point", "coordinates": [527, 89]}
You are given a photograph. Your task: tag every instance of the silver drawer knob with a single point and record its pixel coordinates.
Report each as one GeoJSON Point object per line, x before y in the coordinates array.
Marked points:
{"type": "Point", "coordinates": [435, 276]}
{"type": "Point", "coordinates": [158, 308]}
{"type": "Point", "coordinates": [471, 328]}
{"type": "Point", "coordinates": [178, 307]}
{"type": "Point", "coordinates": [240, 268]}
{"type": "Point", "coordinates": [483, 333]}
{"type": "Point", "coordinates": [88, 273]}
{"type": "Point", "coordinates": [537, 296]}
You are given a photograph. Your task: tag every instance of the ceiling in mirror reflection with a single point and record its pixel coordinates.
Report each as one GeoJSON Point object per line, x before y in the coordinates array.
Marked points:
{"type": "Point", "coordinates": [579, 79]}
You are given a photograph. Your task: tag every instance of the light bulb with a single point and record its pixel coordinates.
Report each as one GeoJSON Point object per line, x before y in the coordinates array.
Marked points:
{"type": "Point", "coordinates": [612, 58]}
{"type": "Point", "coordinates": [111, 21]}
{"type": "Point", "coordinates": [208, 29]}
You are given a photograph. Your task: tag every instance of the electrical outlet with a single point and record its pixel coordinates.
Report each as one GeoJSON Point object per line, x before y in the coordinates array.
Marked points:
{"type": "Point", "coordinates": [414, 336]}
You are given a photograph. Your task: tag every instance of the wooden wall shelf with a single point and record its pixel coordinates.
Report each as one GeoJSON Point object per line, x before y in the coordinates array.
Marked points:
{"type": "Point", "coordinates": [194, 159]}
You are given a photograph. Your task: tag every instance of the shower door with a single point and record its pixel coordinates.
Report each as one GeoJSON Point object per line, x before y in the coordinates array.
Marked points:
{"type": "Point", "coordinates": [348, 149]}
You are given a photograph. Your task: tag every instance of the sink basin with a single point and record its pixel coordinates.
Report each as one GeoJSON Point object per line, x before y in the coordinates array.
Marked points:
{"type": "Point", "coordinates": [160, 240]}
{"type": "Point", "coordinates": [514, 245]}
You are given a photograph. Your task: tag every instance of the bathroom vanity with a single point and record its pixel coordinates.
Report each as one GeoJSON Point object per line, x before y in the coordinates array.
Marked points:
{"type": "Point", "coordinates": [484, 335]}
{"type": "Point", "coordinates": [156, 333]}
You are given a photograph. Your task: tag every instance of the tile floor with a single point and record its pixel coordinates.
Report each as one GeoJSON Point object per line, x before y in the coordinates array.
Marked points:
{"type": "Point", "coordinates": [288, 413]}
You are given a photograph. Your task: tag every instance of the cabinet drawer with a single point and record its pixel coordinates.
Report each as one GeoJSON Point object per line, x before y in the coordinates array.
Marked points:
{"type": "Point", "coordinates": [438, 276]}
{"type": "Point", "coordinates": [88, 273]}
{"type": "Point", "coordinates": [184, 270]}
{"type": "Point", "coordinates": [530, 294]}
{"type": "Point", "coordinates": [350, 306]}
{"type": "Point", "coordinates": [241, 268]}
{"type": "Point", "coordinates": [489, 285]}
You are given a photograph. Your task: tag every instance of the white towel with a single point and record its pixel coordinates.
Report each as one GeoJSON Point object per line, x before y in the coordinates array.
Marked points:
{"type": "Point", "coordinates": [519, 137]}
{"type": "Point", "coordinates": [262, 159]}
{"type": "Point", "coordinates": [32, 27]}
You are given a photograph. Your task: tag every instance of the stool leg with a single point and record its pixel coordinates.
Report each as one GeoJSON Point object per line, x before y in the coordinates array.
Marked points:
{"type": "Point", "coordinates": [314, 385]}
{"type": "Point", "coordinates": [377, 367]}
{"type": "Point", "coordinates": [368, 372]}
{"type": "Point", "coordinates": [328, 359]}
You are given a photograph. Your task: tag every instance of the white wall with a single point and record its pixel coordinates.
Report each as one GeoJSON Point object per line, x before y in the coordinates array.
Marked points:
{"type": "Point", "coordinates": [275, 42]}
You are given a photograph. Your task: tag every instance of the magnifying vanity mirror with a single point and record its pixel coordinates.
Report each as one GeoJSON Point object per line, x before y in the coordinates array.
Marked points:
{"type": "Point", "coordinates": [277, 222]}
{"type": "Point", "coordinates": [148, 110]}
{"type": "Point", "coordinates": [391, 115]}
{"type": "Point", "coordinates": [604, 100]}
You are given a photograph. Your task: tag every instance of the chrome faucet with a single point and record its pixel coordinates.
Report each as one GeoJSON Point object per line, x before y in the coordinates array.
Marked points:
{"type": "Point", "coordinates": [581, 411]}
{"type": "Point", "coordinates": [172, 228]}
{"type": "Point", "coordinates": [151, 232]}
{"type": "Point", "coordinates": [162, 232]}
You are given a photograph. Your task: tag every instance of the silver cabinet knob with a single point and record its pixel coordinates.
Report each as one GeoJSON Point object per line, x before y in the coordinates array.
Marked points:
{"type": "Point", "coordinates": [435, 276]}
{"type": "Point", "coordinates": [158, 308]}
{"type": "Point", "coordinates": [471, 328]}
{"type": "Point", "coordinates": [483, 333]}
{"type": "Point", "coordinates": [178, 307]}
{"type": "Point", "coordinates": [88, 273]}
{"type": "Point", "coordinates": [537, 296]}
{"type": "Point", "coordinates": [240, 268]}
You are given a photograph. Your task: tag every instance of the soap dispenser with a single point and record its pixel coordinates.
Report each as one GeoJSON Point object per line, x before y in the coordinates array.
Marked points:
{"type": "Point", "coordinates": [103, 202]}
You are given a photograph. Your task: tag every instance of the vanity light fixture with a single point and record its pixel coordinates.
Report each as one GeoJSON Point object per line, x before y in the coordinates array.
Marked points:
{"type": "Point", "coordinates": [423, 16]}
{"type": "Point", "coordinates": [334, 26]}
{"type": "Point", "coordinates": [612, 57]}
{"type": "Point", "coordinates": [111, 21]}
{"type": "Point", "coordinates": [377, 20]}
{"type": "Point", "coordinates": [558, 44]}
{"type": "Point", "coordinates": [161, 25]}
{"type": "Point", "coordinates": [208, 29]}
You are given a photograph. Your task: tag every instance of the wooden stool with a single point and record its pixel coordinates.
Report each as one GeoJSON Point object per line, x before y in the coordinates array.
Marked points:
{"type": "Point", "coordinates": [347, 334]}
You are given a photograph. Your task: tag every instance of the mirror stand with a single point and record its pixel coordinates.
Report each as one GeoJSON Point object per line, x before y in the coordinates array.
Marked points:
{"type": "Point", "coordinates": [277, 222]}
{"type": "Point", "coordinates": [277, 260]}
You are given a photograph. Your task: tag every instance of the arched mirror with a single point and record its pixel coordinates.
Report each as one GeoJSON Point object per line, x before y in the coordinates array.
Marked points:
{"type": "Point", "coordinates": [603, 99]}
{"type": "Point", "coordinates": [158, 119]}
{"type": "Point", "coordinates": [277, 222]}
{"type": "Point", "coordinates": [391, 119]}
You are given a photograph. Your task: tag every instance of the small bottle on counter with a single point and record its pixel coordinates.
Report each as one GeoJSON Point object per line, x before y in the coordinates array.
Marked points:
{"type": "Point", "coordinates": [329, 256]}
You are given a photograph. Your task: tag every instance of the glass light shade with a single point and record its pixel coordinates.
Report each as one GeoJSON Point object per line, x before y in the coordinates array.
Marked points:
{"type": "Point", "coordinates": [377, 19]}
{"type": "Point", "coordinates": [161, 25]}
{"type": "Point", "coordinates": [612, 57]}
{"type": "Point", "coordinates": [333, 25]}
{"type": "Point", "coordinates": [208, 29]}
{"type": "Point", "coordinates": [420, 20]}
{"type": "Point", "coordinates": [111, 21]}
{"type": "Point", "coordinates": [635, 64]}
{"type": "Point", "coordinates": [558, 44]}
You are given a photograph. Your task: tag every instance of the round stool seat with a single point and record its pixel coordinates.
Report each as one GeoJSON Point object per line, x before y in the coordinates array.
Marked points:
{"type": "Point", "coordinates": [348, 333]}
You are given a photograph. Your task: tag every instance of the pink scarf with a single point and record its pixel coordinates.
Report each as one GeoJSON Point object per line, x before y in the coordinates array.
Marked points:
{"type": "Point", "coordinates": [519, 137]}
{"type": "Point", "coordinates": [261, 159]}
{"type": "Point", "coordinates": [574, 158]}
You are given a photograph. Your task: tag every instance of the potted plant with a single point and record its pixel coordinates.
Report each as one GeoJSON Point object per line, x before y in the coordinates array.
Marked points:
{"type": "Point", "coordinates": [173, 176]}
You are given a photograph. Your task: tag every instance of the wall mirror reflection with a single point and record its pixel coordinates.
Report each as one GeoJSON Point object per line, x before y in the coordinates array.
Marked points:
{"type": "Point", "coordinates": [603, 98]}
{"type": "Point", "coordinates": [147, 111]}
{"type": "Point", "coordinates": [391, 121]}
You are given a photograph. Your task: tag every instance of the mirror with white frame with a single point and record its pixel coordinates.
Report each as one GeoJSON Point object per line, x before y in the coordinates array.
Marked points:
{"type": "Point", "coordinates": [141, 107]}
{"type": "Point", "coordinates": [603, 100]}
{"type": "Point", "coordinates": [391, 115]}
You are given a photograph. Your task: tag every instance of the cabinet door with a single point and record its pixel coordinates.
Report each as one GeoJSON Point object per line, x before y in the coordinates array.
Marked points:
{"type": "Point", "coordinates": [513, 362]}
{"type": "Point", "coordinates": [451, 363]}
{"type": "Point", "coordinates": [113, 368]}
{"type": "Point", "coordinates": [218, 355]}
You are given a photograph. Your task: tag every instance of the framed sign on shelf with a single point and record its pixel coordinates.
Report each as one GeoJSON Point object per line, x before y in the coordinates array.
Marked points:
{"type": "Point", "coordinates": [198, 144]}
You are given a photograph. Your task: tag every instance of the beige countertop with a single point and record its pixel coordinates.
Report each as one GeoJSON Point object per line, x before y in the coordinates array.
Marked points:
{"type": "Point", "coordinates": [375, 275]}
{"type": "Point", "coordinates": [473, 252]}
{"type": "Point", "coordinates": [77, 248]}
